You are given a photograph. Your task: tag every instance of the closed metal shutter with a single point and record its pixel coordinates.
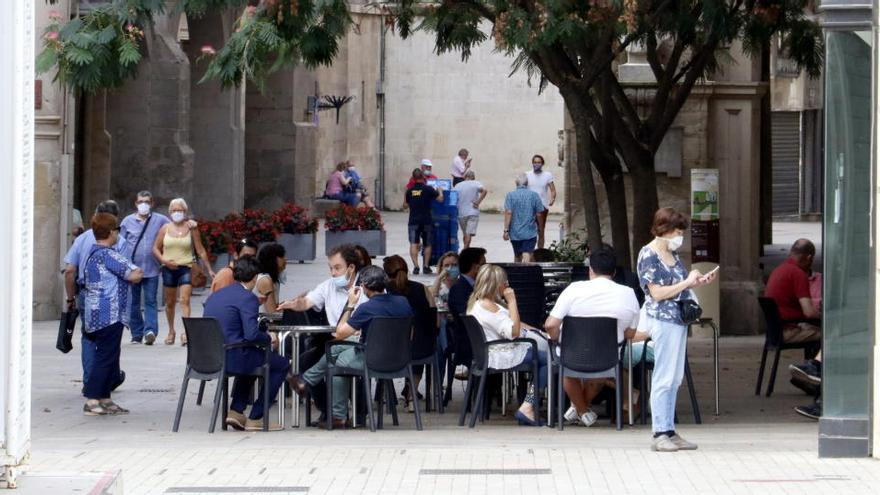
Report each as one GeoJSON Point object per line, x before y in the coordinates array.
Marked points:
{"type": "Point", "coordinates": [786, 143]}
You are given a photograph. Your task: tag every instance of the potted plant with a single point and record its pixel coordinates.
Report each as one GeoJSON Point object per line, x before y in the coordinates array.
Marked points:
{"type": "Point", "coordinates": [297, 232]}
{"type": "Point", "coordinates": [215, 237]}
{"type": "Point", "coordinates": [252, 223]}
{"type": "Point", "coordinates": [349, 225]}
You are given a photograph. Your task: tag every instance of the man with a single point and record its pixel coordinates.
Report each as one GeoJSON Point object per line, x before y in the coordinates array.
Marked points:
{"type": "Point", "coordinates": [461, 164]}
{"type": "Point", "coordinates": [470, 194]}
{"type": "Point", "coordinates": [541, 182]}
{"type": "Point", "coordinates": [353, 325]}
{"type": "Point", "coordinates": [426, 168]}
{"type": "Point", "coordinates": [139, 231]}
{"type": "Point", "coordinates": [237, 308]}
{"type": "Point", "coordinates": [522, 208]}
{"type": "Point", "coordinates": [599, 296]}
{"type": "Point", "coordinates": [421, 225]}
{"type": "Point", "coordinates": [329, 296]}
{"type": "Point", "coordinates": [469, 262]}
{"type": "Point", "coordinates": [74, 279]}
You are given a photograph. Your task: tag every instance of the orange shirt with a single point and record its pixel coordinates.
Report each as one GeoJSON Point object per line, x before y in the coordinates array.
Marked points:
{"type": "Point", "coordinates": [223, 278]}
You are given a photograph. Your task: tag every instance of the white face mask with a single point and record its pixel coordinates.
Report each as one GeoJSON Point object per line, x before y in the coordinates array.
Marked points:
{"type": "Point", "coordinates": [673, 243]}
{"type": "Point", "coordinates": [177, 216]}
{"type": "Point", "coordinates": [143, 209]}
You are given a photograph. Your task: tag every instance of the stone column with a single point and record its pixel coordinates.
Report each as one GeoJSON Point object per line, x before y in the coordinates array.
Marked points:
{"type": "Point", "coordinates": [16, 258]}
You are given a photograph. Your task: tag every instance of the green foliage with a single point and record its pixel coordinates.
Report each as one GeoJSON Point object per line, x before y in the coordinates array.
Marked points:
{"type": "Point", "coordinates": [571, 249]}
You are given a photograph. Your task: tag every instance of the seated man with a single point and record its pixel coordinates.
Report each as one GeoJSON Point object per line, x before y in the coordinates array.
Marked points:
{"type": "Point", "coordinates": [599, 296]}
{"type": "Point", "coordinates": [236, 308]}
{"type": "Point", "coordinates": [353, 325]}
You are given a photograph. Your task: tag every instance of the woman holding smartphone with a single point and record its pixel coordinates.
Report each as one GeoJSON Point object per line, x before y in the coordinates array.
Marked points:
{"type": "Point", "coordinates": [666, 281]}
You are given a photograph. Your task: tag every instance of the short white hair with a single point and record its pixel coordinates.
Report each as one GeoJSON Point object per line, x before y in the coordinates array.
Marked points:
{"type": "Point", "coordinates": [470, 174]}
{"type": "Point", "coordinates": [178, 202]}
{"type": "Point", "coordinates": [522, 180]}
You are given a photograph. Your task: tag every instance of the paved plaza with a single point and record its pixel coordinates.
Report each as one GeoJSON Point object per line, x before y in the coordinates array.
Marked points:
{"type": "Point", "coordinates": [756, 445]}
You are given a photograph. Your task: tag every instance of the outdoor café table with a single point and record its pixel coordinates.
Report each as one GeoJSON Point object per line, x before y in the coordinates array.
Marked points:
{"type": "Point", "coordinates": [295, 331]}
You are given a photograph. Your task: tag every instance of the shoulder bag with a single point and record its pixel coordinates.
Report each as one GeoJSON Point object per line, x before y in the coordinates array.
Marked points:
{"type": "Point", "coordinates": [196, 272]}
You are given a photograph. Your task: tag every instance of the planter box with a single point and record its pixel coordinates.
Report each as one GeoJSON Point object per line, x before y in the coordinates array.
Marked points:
{"type": "Point", "coordinates": [299, 247]}
{"type": "Point", "coordinates": [372, 240]}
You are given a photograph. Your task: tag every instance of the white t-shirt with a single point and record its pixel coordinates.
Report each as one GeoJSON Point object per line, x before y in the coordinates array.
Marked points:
{"type": "Point", "coordinates": [326, 296]}
{"type": "Point", "coordinates": [540, 183]}
{"type": "Point", "coordinates": [599, 297]}
{"type": "Point", "coordinates": [468, 192]}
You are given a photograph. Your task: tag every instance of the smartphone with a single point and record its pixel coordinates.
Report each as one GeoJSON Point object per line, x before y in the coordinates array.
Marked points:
{"type": "Point", "coordinates": [713, 271]}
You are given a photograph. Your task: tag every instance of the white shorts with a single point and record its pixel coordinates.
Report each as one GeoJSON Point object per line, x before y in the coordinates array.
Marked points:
{"type": "Point", "coordinates": [468, 224]}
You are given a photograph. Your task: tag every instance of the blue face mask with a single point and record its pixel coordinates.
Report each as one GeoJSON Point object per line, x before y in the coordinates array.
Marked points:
{"type": "Point", "coordinates": [341, 281]}
{"type": "Point", "coordinates": [453, 272]}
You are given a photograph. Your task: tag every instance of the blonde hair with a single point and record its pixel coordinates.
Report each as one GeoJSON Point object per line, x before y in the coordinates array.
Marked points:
{"type": "Point", "coordinates": [178, 202]}
{"type": "Point", "coordinates": [491, 280]}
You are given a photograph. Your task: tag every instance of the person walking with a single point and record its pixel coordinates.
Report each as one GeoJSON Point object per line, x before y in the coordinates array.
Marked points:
{"type": "Point", "coordinates": [176, 247]}
{"type": "Point", "coordinates": [139, 230]}
{"type": "Point", "coordinates": [426, 168]}
{"type": "Point", "coordinates": [522, 207]}
{"type": "Point", "coordinates": [541, 182]}
{"type": "Point", "coordinates": [421, 226]}
{"type": "Point", "coordinates": [666, 281]}
{"type": "Point", "coordinates": [470, 194]}
{"type": "Point", "coordinates": [107, 275]}
{"type": "Point", "coordinates": [460, 165]}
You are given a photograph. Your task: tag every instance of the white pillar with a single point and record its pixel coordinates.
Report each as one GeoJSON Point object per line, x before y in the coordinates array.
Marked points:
{"type": "Point", "coordinates": [16, 204]}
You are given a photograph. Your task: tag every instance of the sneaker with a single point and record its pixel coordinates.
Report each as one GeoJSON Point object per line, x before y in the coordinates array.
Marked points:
{"type": "Point", "coordinates": [236, 420]}
{"type": "Point", "coordinates": [135, 341]}
{"type": "Point", "coordinates": [810, 371]}
{"type": "Point", "coordinates": [589, 418]}
{"type": "Point", "coordinates": [681, 443]}
{"type": "Point", "coordinates": [416, 271]}
{"type": "Point", "coordinates": [149, 338]}
{"type": "Point", "coordinates": [812, 411]}
{"type": "Point", "coordinates": [461, 372]}
{"type": "Point", "coordinates": [257, 425]}
{"type": "Point", "coordinates": [809, 388]}
{"type": "Point", "coordinates": [571, 415]}
{"type": "Point", "coordinates": [427, 270]}
{"type": "Point", "coordinates": [663, 444]}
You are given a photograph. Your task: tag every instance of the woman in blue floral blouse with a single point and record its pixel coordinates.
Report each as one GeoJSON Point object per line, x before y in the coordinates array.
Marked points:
{"type": "Point", "coordinates": [666, 281]}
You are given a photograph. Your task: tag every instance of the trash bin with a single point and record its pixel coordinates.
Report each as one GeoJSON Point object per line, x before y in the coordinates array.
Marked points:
{"type": "Point", "coordinates": [445, 217]}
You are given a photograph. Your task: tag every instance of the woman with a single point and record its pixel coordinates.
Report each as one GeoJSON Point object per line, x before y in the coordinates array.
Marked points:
{"type": "Point", "coordinates": [666, 281]}
{"type": "Point", "coordinates": [107, 275]}
{"type": "Point", "coordinates": [176, 246]}
{"type": "Point", "coordinates": [447, 275]}
{"type": "Point", "coordinates": [420, 300]}
{"type": "Point", "coordinates": [356, 186]}
{"type": "Point", "coordinates": [493, 304]}
{"type": "Point", "coordinates": [224, 277]}
{"type": "Point", "coordinates": [336, 187]}
{"type": "Point", "coordinates": [273, 260]}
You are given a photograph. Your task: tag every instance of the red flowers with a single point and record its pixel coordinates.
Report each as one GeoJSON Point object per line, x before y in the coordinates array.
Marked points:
{"type": "Point", "coordinates": [347, 217]}
{"type": "Point", "coordinates": [256, 224]}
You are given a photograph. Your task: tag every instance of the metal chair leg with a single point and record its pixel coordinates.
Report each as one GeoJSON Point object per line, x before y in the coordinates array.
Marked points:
{"type": "Point", "coordinates": [761, 371]}
{"type": "Point", "coordinates": [180, 402]}
{"type": "Point", "coordinates": [618, 397]}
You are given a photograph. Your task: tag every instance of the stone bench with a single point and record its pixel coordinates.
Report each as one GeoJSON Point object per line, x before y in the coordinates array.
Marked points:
{"type": "Point", "coordinates": [321, 205]}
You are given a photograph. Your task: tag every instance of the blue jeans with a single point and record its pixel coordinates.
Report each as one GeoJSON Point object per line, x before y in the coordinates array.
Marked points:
{"type": "Point", "coordinates": [347, 357]}
{"type": "Point", "coordinates": [141, 325]}
{"type": "Point", "coordinates": [105, 362]}
{"type": "Point", "coordinates": [670, 346]}
{"type": "Point", "coordinates": [88, 346]}
{"type": "Point", "coordinates": [543, 354]}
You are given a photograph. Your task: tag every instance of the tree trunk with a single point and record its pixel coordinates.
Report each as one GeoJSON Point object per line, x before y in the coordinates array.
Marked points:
{"type": "Point", "coordinates": [582, 159]}
{"type": "Point", "coordinates": [645, 202]}
{"type": "Point", "coordinates": [608, 165]}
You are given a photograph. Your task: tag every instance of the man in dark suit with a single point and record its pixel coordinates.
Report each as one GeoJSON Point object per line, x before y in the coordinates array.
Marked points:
{"type": "Point", "coordinates": [237, 308]}
{"type": "Point", "coordinates": [469, 262]}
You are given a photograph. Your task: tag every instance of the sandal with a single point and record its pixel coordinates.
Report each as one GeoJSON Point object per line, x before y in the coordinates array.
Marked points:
{"type": "Point", "coordinates": [183, 340]}
{"type": "Point", "coordinates": [95, 409]}
{"type": "Point", "coordinates": [113, 408]}
{"type": "Point", "coordinates": [170, 339]}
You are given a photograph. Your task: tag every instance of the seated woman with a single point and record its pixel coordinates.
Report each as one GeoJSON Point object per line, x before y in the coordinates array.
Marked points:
{"type": "Point", "coordinates": [355, 185]}
{"type": "Point", "coordinates": [447, 275]}
{"type": "Point", "coordinates": [336, 187]}
{"type": "Point", "coordinates": [272, 260]}
{"type": "Point", "coordinates": [493, 304]}
{"type": "Point", "coordinates": [224, 276]}
{"type": "Point", "coordinates": [421, 301]}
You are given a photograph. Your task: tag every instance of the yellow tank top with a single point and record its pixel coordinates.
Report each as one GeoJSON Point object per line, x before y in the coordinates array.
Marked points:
{"type": "Point", "coordinates": [178, 250]}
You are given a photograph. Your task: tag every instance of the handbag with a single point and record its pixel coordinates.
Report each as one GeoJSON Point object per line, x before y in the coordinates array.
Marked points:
{"type": "Point", "coordinates": [690, 311]}
{"type": "Point", "coordinates": [64, 342]}
{"type": "Point", "coordinates": [197, 276]}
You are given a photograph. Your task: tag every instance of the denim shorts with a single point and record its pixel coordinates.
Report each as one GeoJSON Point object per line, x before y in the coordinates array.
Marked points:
{"type": "Point", "coordinates": [524, 246]}
{"type": "Point", "coordinates": [177, 277]}
{"type": "Point", "coordinates": [421, 234]}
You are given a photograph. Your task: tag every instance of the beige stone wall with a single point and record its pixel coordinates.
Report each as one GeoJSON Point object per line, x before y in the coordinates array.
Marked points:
{"type": "Point", "coordinates": [435, 105]}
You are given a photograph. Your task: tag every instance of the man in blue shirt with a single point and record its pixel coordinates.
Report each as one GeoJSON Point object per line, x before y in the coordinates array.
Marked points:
{"type": "Point", "coordinates": [139, 231]}
{"type": "Point", "coordinates": [521, 209]}
{"type": "Point", "coordinates": [74, 279]}
{"type": "Point", "coordinates": [237, 308]}
{"type": "Point", "coordinates": [354, 325]}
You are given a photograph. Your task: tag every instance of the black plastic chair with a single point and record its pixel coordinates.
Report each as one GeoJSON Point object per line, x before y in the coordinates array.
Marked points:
{"type": "Point", "coordinates": [774, 340]}
{"type": "Point", "coordinates": [459, 353]}
{"type": "Point", "coordinates": [206, 360]}
{"type": "Point", "coordinates": [480, 368]}
{"type": "Point", "coordinates": [528, 282]}
{"type": "Point", "coordinates": [425, 353]}
{"type": "Point", "coordinates": [387, 355]}
{"type": "Point", "coordinates": [589, 345]}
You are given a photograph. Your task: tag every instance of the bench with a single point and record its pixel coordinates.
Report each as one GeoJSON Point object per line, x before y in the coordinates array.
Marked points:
{"type": "Point", "coordinates": [321, 205]}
